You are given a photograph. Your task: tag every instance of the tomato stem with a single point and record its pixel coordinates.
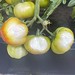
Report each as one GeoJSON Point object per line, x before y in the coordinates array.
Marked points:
{"type": "Point", "coordinates": [37, 8]}
{"type": "Point", "coordinates": [38, 32]}
{"type": "Point", "coordinates": [32, 21]}
{"type": "Point", "coordinates": [36, 13]}
{"type": "Point", "coordinates": [40, 19]}
{"type": "Point", "coordinates": [42, 31]}
{"type": "Point", "coordinates": [23, 0]}
{"type": "Point", "coordinates": [52, 35]}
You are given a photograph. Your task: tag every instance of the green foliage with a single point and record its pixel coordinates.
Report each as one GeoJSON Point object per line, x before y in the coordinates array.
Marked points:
{"type": "Point", "coordinates": [71, 3]}
{"type": "Point", "coordinates": [1, 20]}
{"type": "Point", "coordinates": [64, 1]}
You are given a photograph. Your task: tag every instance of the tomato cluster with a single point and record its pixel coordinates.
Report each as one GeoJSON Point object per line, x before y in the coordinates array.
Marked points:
{"type": "Point", "coordinates": [14, 32]}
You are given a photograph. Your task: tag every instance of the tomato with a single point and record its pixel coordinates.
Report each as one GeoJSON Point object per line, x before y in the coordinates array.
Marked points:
{"type": "Point", "coordinates": [37, 44]}
{"type": "Point", "coordinates": [16, 52]}
{"type": "Point", "coordinates": [14, 32]}
{"type": "Point", "coordinates": [63, 40]}
{"type": "Point", "coordinates": [24, 10]}
{"type": "Point", "coordinates": [44, 3]}
{"type": "Point", "coordinates": [12, 1]}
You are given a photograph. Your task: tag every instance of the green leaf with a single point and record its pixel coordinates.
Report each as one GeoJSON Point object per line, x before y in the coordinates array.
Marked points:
{"type": "Point", "coordinates": [71, 3]}
{"type": "Point", "coordinates": [1, 23]}
{"type": "Point", "coordinates": [51, 8]}
{"type": "Point", "coordinates": [64, 1]}
{"type": "Point", "coordinates": [7, 11]}
{"type": "Point", "coordinates": [0, 0]}
{"type": "Point", "coordinates": [5, 4]}
{"type": "Point", "coordinates": [73, 13]}
{"type": "Point", "coordinates": [1, 20]}
{"type": "Point", "coordinates": [10, 9]}
{"type": "Point", "coordinates": [1, 17]}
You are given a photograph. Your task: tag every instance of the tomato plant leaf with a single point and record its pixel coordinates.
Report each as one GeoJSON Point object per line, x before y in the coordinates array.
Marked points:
{"type": "Point", "coordinates": [5, 4]}
{"type": "Point", "coordinates": [7, 11]}
{"type": "Point", "coordinates": [73, 13]}
{"type": "Point", "coordinates": [64, 1]}
{"type": "Point", "coordinates": [1, 19]}
{"type": "Point", "coordinates": [0, 0]}
{"type": "Point", "coordinates": [54, 4]}
{"type": "Point", "coordinates": [10, 9]}
{"type": "Point", "coordinates": [71, 3]}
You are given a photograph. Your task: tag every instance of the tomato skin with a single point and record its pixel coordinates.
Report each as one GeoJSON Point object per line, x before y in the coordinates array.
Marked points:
{"type": "Point", "coordinates": [14, 32]}
{"type": "Point", "coordinates": [39, 40]}
{"type": "Point", "coordinates": [63, 40]}
{"type": "Point", "coordinates": [12, 1]}
{"type": "Point", "coordinates": [44, 3]}
{"type": "Point", "coordinates": [24, 10]}
{"type": "Point", "coordinates": [16, 52]}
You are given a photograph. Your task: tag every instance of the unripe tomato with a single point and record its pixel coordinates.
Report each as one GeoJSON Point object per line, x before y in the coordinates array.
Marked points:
{"type": "Point", "coordinates": [16, 52]}
{"type": "Point", "coordinates": [44, 3]}
{"type": "Point", "coordinates": [12, 1]}
{"type": "Point", "coordinates": [64, 38]}
{"type": "Point", "coordinates": [37, 44]}
{"type": "Point", "coordinates": [14, 32]}
{"type": "Point", "coordinates": [24, 10]}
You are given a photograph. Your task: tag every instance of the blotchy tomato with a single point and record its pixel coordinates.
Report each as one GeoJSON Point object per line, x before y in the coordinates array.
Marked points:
{"type": "Point", "coordinates": [16, 52]}
{"type": "Point", "coordinates": [24, 10]}
{"type": "Point", "coordinates": [14, 31]}
{"type": "Point", "coordinates": [44, 3]}
{"type": "Point", "coordinates": [64, 39]}
{"type": "Point", "coordinates": [37, 44]}
{"type": "Point", "coordinates": [12, 1]}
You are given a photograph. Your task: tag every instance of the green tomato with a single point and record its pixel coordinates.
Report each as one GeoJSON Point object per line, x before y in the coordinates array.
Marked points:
{"type": "Point", "coordinates": [16, 52]}
{"type": "Point", "coordinates": [37, 44]}
{"type": "Point", "coordinates": [24, 10]}
{"type": "Point", "coordinates": [12, 1]}
{"type": "Point", "coordinates": [44, 3]}
{"type": "Point", "coordinates": [63, 40]}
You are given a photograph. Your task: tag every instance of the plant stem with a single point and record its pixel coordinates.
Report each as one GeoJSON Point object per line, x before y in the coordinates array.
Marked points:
{"type": "Point", "coordinates": [52, 35]}
{"type": "Point", "coordinates": [32, 21]}
{"type": "Point", "coordinates": [23, 0]}
{"type": "Point", "coordinates": [37, 8]}
{"type": "Point", "coordinates": [40, 19]}
{"type": "Point", "coordinates": [36, 13]}
{"type": "Point", "coordinates": [42, 30]}
{"type": "Point", "coordinates": [38, 32]}
{"type": "Point", "coordinates": [51, 8]}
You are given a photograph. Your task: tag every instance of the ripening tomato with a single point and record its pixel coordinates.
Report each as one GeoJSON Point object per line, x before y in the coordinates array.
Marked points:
{"type": "Point", "coordinates": [44, 3]}
{"type": "Point", "coordinates": [16, 52]}
{"type": "Point", "coordinates": [37, 44]}
{"type": "Point", "coordinates": [64, 39]}
{"type": "Point", "coordinates": [14, 31]}
{"type": "Point", "coordinates": [12, 1]}
{"type": "Point", "coordinates": [24, 10]}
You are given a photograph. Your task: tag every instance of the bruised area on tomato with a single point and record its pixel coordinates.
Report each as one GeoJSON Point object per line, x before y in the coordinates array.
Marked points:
{"type": "Point", "coordinates": [64, 38]}
{"type": "Point", "coordinates": [37, 44]}
{"type": "Point", "coordinates": [14, 31]}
